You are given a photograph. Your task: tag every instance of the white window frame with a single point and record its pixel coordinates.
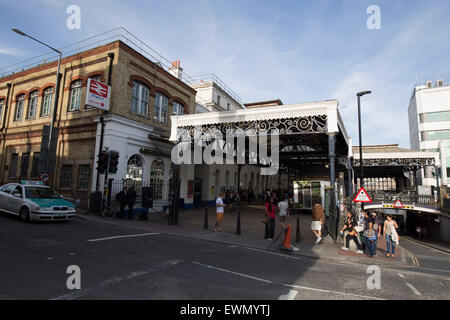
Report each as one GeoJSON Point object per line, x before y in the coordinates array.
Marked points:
{"type": "Point", "coordinates": [47, 99]}
{"type": "Point", "coordinates": [161, 108]}
{"type": "Point", "coordinates": [140, 97]}
{"type": "Point", "coordinates": [20, 103]}
{"type": "Point", "coordinates": [75, 95]}
{"type": "Point", "coordinates": [178, 108]}
{"type": "Point", "coordinates": [2, 103]}
{"type": "Point", "coordinates": [33, 104]}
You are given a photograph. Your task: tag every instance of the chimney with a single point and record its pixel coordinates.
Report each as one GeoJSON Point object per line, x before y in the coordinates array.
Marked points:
{"type": "Point", "coordinates": [176, 70]}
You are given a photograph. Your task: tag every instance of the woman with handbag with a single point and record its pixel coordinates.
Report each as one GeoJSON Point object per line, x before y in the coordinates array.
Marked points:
{"type": "Point", "coordinates": [390, 234]}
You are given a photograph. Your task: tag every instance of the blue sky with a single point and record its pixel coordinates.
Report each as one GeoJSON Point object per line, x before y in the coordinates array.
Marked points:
{"type": "Point", "coordinates": [298, 51]}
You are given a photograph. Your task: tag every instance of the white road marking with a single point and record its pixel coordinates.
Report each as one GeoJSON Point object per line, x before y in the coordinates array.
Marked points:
{"type": "Point", "coordinates": [80, 293]}
{"type": "Point", "coordinates": [232, 272]}
{"type": "Point", "coordinates": [289, 296]}
{"type": "Point", "coordinates": [401, 276]}
{"type": "Point", "coordinates": [333, 292]}
{"type": "Point", "coordinates": [125, 236]}
{"type": "Point", "coordinates": [416, 292]}
{"type": "Point", "coordinates": [50, 258]}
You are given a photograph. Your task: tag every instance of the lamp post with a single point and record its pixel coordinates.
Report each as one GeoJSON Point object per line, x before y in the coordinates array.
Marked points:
{"type": "Point", "coordinates": [57, 82]}
{"type": "Point", "coordinates": [359, 95]}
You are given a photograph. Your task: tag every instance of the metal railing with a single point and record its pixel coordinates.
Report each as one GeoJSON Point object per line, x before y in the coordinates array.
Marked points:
{"type": "Point", "coordinates": [445, 77]}
{"type": "Point", "coordinates": [406, 197]}
{"type": "Point", "coordinates": [219, 82]}
{"type": "Point", "coordinates": [104, 38]}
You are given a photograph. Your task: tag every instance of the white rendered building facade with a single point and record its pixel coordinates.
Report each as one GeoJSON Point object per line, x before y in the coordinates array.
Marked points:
{"type": "Point", "coordinates": [429, 126]}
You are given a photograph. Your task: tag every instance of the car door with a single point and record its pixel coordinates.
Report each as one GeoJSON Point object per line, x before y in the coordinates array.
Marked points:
{"type": "Point", "coordinates": [16, 199]}
{"type": "Point", "coordinates": [5, 196]}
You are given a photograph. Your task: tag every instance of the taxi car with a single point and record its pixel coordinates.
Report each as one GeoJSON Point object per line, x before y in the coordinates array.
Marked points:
{"type": "Point", "coordinates": [33, 201]}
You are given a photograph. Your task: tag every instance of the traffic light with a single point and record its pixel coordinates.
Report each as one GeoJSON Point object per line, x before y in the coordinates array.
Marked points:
{"type": "Point", "coordinates": [113, 162]}
{"type": "Point", "coordinates": [102, 162]}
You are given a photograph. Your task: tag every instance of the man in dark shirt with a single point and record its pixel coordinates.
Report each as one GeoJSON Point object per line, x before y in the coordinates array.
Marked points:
{"type": "Point", "coordinates": [130, 199]}
{"type": "Point", "coordinates": [350, 224]}
{"type": "Point", "coordinates": [121, 198]}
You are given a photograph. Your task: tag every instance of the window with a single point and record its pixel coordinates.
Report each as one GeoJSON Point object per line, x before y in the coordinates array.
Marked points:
{"type": "Point", "coordinates": [157, 178]}
{"type": "Point", "coordinates": [35, 166]}
{"type": "Point", "coordinates": [218, 100]}
{"type": "Point", "coordinates": [75, 95]}
{"type": "Point", "coordinates": [19, 107]}
{"type": "Point", "coordinates": [65, 179]}
{"type": "Point", "coordinates": [2, 103]}
{"type": "Point", "coordinates": [83, 177]}
{"type": "Point", "coordinates": [435, 116]}
{"type": "Point", "coordinates": [161, 108]}
{"type": "Point", "coordinates": [24, 165]}
{"type": "Point", "coordinates": [32, 104]}
{"type": "Point", "coordinates": [436, 135]}
{"type": "Point", "coordinates": [139, 103]}
{"type": "Point", "coordinates": [47, 101]}
{"type": "Point", "coordinates": [134, 168]}
{"type": "Point", "coordinates": [178, 108]}
{"type": "Point", "coordinates": [13, 165]}
{"type": "Point", "coordinates": [228, 106]}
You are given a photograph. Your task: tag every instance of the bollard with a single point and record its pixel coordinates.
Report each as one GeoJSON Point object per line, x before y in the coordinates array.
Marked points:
{"type": "Point", "coordinates": [238, 226]}
{"type": "Point", "coordinates": [205, 221]}
{"type": "Point", "coordinates": [297, 231]}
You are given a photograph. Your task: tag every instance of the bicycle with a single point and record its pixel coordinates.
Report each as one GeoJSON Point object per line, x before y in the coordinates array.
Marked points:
{"type": "Point", "coordinates": [110, 212]}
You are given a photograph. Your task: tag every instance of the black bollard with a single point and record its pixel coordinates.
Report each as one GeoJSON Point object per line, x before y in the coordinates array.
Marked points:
{"type": "Point", "coordinates": [205, 221]}
{"type": "Point", "coordinates": [297, 231]}
{"type": "Point", "coordinates": [238, 226]}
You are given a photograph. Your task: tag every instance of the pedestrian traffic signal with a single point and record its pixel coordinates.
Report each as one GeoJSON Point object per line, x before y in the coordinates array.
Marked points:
{"type": "Point", "coordinates": [102, 162]}
{"type": "Point", "coordinates": [113, 162]}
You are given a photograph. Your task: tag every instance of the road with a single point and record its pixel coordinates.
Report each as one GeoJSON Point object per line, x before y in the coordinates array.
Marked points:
{"type": "Point", "coordinates": [122, 263]}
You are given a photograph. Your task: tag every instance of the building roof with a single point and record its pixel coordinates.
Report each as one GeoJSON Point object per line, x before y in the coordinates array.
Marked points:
{"type": "Point", "coordinates": [268, 103]}
{"type": "Point", "coordinates": [386, 148]}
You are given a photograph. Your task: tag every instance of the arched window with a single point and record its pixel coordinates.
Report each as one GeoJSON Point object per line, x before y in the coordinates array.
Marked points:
{"type": "Point", "coordinates": [32, 104]}
{"type": "Point", "coordinates": [75, 95]}
{"type": "Point", "coordinates": [47, 101]}
{"type": "Point", "coordinates": [19, 106]}
{"type": "Point", "coordinates": [135, 168]}
{"type": "Point", "coordinates": [139, 102]}
{"type": "Point", "coordinates": [178, 108]}
{"type": "Point", "coordinates": [157, 178]}
{"type": "Point", "coordinates": [161, 108]}
{"type": "Point", "coordinates": [2, 104]}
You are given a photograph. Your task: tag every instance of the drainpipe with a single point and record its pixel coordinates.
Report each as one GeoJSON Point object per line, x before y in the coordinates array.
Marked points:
{"type": "Point", "coordinates": [5, 111]}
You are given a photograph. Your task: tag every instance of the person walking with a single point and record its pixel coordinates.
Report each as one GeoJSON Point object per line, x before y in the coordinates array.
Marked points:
{"type": "Point", "coordinates": [318, 219]}
{"type": "Point", "coordinates": [270, 212]}
{"type": "Point", "coordinates": [350, 224]}
{"type": "Point", "coordinates": [220, 212]}
{"type": "Point", "coordinates": [369, 234]}
{"type": "Point", "coordinates": [390, 234]}
{"type": "Point", "coordinates": [283, 207]}
{"type": "Point", "coordinates": [130, 199]}
{"type": "Point", "coordinates": [121, 198]}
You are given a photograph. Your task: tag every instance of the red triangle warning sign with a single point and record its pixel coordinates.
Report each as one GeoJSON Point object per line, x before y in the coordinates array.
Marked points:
{"type": "Point", "coordinates": [398, 204]}
{"type": "Point", "coordinates": [362, 196]}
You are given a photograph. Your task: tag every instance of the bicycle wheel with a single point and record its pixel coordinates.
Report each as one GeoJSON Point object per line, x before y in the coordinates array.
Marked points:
{"type": "Point", "coordinates": [109, 213]}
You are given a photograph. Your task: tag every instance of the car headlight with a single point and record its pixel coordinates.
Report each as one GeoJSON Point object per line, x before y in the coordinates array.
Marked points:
{"type": "Point", "coordinates": [44, 209]}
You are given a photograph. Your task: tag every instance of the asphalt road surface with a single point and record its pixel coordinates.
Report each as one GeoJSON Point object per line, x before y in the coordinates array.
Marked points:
{"type": "Point", "coordinates": [122, 263]}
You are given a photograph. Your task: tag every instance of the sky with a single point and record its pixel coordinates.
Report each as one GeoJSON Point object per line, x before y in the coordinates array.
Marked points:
{"type": "Point", "coordinates": [294, 50]}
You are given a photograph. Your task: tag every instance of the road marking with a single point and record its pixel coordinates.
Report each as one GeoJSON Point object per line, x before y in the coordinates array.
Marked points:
{"type": "Point", "coordinates": [80, 293]}
{"type": "Point", "coordinates": [412, 257]}
{"type": "Point", "coordinates": [125, 236]}
{"type": "Point", "coordinates": [428, 247]}
{"type": "Point", "coordinates": [334, 292]}
{"type": "Point", "coordinates": [410, 285]}
{"type": "Point", "coordinates": [289, 296]}
{"type": "Point", "coordinates": [413, 289]}
{"type": "Point", "coordinates": [232, 272]}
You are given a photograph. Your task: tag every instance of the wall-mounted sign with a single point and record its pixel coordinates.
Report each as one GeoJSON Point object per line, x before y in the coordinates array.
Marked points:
{"type": "Point", "coordinates": [98, 94]}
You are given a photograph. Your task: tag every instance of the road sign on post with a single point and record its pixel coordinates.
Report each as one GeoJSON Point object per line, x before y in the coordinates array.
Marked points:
{"type": "Point", "coordinates": [362, 196]}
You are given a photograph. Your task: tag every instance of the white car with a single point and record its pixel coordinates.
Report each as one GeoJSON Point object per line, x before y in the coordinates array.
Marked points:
{"type": "Point", "coordinates": [33, 201]}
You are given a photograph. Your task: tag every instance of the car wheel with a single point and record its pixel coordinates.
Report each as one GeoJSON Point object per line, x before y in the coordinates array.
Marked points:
{"type": "Point", "coordinates": [24, 215]}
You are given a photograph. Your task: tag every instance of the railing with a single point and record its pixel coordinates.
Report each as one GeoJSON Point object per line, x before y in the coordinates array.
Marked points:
{"type": "Point", "coordinates": [216, 79]}
{"type": "Point", "coordinates": [161, 189]}
{"type": "Point", "coordinates": [406, 197]}
{"type": "Point", "coordinates": [445, 77]}
{"type": "Point", "coordinates": [119, 33]}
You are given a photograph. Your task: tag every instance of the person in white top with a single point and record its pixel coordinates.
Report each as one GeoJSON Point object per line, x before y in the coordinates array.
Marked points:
{"type": "Point", "coordinates": [220, 212]}
{"type": "Point", "coordinates": [283, 208]}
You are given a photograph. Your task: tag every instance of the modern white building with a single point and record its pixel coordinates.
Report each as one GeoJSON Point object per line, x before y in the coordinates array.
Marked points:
{"type": "Point", "coordinates": [429, 125]}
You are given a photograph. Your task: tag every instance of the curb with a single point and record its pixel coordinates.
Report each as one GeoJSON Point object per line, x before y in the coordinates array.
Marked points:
{"type": "Point", "coordinates": [426, 244]}
{"type": "Point", "coordinates": [252, 246]}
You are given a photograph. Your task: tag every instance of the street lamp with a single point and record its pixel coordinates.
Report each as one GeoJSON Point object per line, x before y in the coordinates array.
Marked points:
{"type": "Point", "coordinates": [57, 82]}
{"type": "Point", "coordinates": [359, 95]}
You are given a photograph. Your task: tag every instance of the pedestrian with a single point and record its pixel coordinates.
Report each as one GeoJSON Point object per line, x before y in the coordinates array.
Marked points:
{"type": "Point", "coordinates": [220, 212]}
{"type": "Point", "coordinates": [390, 234]}
{"type": "Point", "coordinates": [369, 234]}
{"type": "Point", "coordinates": [121, 198]}
{"type": "Point", "coordinates": [419, 232]}
{"type": "Point", "coordinates": [318, 219]}
{"type": "Point", "coordinates": [350, 224]}
{"type": "Point", "coordinates": [270, 212]}
{"type": "Point", "coordinates": [130, 199]}
{"type": "Point", "coordinates": [283, 207]}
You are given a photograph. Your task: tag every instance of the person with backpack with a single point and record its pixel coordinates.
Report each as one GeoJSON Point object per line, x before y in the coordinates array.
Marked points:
{"type": "Point", "coordinates": [370, 236]}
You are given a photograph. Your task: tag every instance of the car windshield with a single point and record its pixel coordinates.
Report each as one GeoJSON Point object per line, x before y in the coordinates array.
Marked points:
{"type": "Point", "coordinates": [40, 192]}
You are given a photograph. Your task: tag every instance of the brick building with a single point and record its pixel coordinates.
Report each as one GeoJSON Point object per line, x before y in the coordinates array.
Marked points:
{"type": "Point", "coordinates": [143, 96]}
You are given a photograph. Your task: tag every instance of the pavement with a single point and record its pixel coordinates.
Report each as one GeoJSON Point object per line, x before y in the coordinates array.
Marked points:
{"type": "Point", "coordinates": [191, 224]}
